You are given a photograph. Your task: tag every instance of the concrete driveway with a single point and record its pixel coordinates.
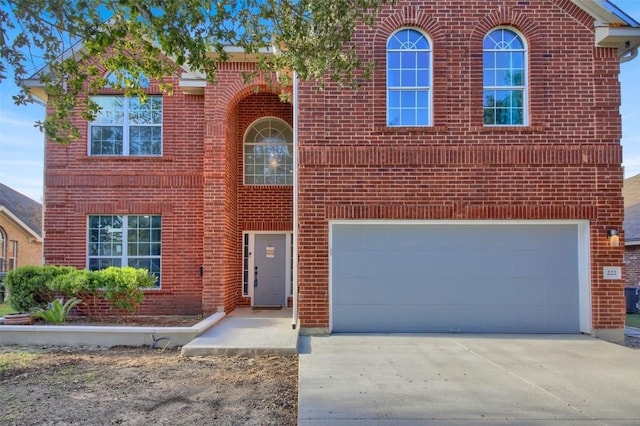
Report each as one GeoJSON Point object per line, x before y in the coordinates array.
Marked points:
{"type": "Point", "coordinates": [467, 379]}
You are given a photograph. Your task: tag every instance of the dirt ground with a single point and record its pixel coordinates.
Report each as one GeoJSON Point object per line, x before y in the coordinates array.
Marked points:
{"type": "Point", "coordinates": [141, 386]}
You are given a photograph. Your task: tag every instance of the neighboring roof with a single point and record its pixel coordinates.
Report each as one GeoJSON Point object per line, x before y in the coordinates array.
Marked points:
{"type": "Point", "coordinates": [23, 210]}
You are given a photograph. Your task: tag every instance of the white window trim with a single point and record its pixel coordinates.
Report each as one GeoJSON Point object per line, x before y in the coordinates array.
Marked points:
{"type": "Point", "coordinates": [524, 88]}
{"type": "Point", "coordinates": [244, 145]}
{"type": "Point", "coordinates": [124, 257]}
{"type": "Point", "coordinates": [125, 130]}
{"type": "Point", "coordinates": [428, 89]}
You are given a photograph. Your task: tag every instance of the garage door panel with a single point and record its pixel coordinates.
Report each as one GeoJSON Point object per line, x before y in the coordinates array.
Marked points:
{"type": "Point", "coordinates": [476, 278]}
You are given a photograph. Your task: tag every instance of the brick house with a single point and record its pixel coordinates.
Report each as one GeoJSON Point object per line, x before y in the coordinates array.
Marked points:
{"type": "Point", "coordinates": [469, 186]}
{"type": "Point", "coordinates": [631, 226]}
{"type": "Point", "coordinates": [20, 231]}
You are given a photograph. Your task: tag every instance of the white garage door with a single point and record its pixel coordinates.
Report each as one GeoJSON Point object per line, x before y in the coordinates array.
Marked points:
{"type": "Point", "coordinates": [471, 277]}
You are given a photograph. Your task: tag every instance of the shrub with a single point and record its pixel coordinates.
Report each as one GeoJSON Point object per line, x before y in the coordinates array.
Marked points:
{"type": "Point", "coordinates": [122, 287]}
{"type": "Point", "coordinates": [57, 311]}
{"type": "Point", "coordinates": [28, 285]}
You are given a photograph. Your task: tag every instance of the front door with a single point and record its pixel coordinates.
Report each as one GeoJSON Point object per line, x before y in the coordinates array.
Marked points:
{"type": "Point", "coordinates": [269, 275]}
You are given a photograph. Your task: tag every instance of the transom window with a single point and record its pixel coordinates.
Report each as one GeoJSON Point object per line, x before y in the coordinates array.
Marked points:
{"type": "Point", "coordinates": [505, 78]}
{"type": "Point", "coordinates": [126, 126]}
{"type": "Point", "coordinates": [125, 241]}
{"type": "Point", "coordinates": [408, 79]}
{"type": "Point", "coordinates": [268, 153]}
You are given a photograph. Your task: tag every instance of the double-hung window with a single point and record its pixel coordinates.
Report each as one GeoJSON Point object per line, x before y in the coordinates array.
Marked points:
{"type": "Point", "coordinates": [505, 78]}
{"type": "Point", "coordinates": [409, 79]}
{"type": "Point", "coordinates": [134, 241]}
{"type": "Point", "coordinates": [127, 126]}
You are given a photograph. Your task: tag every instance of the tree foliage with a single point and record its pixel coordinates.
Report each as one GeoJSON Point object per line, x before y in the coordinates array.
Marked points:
{"type": "Point", "coordinates": [73, 40]}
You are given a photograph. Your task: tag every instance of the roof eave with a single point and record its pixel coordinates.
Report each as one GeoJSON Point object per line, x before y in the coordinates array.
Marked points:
{"type": "Point", "coordinates": [20, 223]}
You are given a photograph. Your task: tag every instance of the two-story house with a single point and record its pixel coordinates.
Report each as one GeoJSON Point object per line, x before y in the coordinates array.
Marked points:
{"type": "Point", "coordinates": [472, 185]}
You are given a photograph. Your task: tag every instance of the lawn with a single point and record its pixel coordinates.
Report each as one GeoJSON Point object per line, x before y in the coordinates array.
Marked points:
{"type": "Point", "coordinates": [5, 309]}
{"type": "Point", "coordinates": [633, 320]}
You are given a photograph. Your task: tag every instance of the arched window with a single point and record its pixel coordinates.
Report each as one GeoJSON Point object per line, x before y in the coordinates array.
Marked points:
{"type": "Point", "coordinates": [268, 153]}
{"type": "Point", "coordinates": [4, 267]}
{"type": "Point", "coordinates": [505, 78]}
{"type": "Point", "coordinates": [408, 79]}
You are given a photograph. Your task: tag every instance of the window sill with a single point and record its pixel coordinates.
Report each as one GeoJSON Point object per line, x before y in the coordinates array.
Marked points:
{"type": "Point", "coordinates": [508, 129]}
{"type": "Point", "coordinates": [128, 158]}
{"type": "Point", "coordinates": [386, 130]}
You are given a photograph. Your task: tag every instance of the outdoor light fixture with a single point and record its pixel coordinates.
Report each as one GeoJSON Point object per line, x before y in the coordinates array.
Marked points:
{"type": "Point", "coordinates": [614, 237]}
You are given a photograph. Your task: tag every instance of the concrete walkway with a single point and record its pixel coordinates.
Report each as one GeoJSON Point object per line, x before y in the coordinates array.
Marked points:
{"type": "Point", "coordinates": [467, 379]}
{"type": "Point", "coordinates": [248, 331]}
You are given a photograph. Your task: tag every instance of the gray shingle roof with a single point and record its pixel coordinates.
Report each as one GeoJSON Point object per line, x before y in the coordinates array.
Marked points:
{"type": "Point", "coordinates": [22, 207]}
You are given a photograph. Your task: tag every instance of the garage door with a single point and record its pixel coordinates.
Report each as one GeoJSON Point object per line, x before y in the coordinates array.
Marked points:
{"type": "Point", "coordinates": [491, 278]}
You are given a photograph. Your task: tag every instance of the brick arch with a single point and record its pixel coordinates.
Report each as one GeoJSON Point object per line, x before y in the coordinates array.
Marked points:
{"type": "Point", "coordinates": [505, 17]}
{"type": "Point", "coordinates": [408, 16]}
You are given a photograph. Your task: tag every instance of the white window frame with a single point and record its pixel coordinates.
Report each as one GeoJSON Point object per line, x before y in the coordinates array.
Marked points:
{"type": "Point", "coordinates": [124, 255]}
{"type": "Point", "coordinates": [524, 88]}
{"type": "Point", "coordinates": [245, 143]}
{"type": "Point", "coordinates": [126, 127]}
{"type": "Point", "coordinates": [401, 88]}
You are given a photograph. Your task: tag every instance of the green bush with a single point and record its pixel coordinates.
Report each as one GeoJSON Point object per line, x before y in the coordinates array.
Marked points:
{"type": "Point", "coordinates": [76, 283]}
{"type": "Point", "coordinates": [28, 286]}
{"type": "Point", "coordinates": [122, 287]}
{"type": "Point", "coordinates": [32, 287]}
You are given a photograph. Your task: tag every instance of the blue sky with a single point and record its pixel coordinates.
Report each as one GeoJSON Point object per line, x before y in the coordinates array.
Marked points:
{"type": "Point", "coordinates": [22, 145]}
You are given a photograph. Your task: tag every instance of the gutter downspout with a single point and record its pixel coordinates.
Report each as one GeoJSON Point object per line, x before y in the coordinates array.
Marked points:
{"type": "Point", "coordinates": [294, 319]}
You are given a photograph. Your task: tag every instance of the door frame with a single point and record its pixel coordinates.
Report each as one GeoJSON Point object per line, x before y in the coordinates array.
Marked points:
{"type": "Point", "coordinates": [251, 262]}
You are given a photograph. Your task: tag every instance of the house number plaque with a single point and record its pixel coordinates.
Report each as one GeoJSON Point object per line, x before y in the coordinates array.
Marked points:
{"type": "Point", "coordinates": [612, 273]}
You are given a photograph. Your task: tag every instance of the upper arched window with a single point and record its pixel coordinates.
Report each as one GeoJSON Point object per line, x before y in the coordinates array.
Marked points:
{"type": "Point", "coordinates": [505, 78]}
{"type": "Point", "coordinates": [4, 267]}
{"type": "Point", "coordinates": [409, 76]}
{"type": "Point", "coordinates": [268, 153]}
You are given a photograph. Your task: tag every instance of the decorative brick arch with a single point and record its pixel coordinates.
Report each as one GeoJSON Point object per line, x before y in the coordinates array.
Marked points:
{"type": "Point", "coordinates": [505, 17]}
{"type": "Point", "coordinates": [412, 17]}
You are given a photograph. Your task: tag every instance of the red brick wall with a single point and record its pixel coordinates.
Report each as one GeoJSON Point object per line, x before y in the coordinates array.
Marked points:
{"type": "Point", "coordinates": [77, 185]}
{"type": "Point", "coordinates": [564, 165]}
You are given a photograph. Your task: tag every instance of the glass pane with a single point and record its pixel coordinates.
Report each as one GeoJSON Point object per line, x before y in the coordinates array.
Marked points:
{"type": "Point", "coordinates": [393, 99]}
{"type": "Point", "coordinates": [517, 59]}
{"type": "Point", "coordinates": [424, 78]}
{"type": "Point", "coordinates": [422, 117]}
{"type": "Point", "coordinates": [408, 99]}
{"type": "Point", "coordinates": [489, 77]}
{"type": "Point", "coordinates": [517, 116]}
{"type": "Point", "coordinates": [503, 60]}
{"type": "Point", "coordinates": [106, 140]}
{"type": "Point", "coordinates": [422, 99]}
{"type": "Point", "coordinates": [393, 117]}
{"type": "Point", "coordinates": [408, 78]}
{"type": "Point", "coordinates": [503, 98]}
{"type": "Point", "coordinates": [393, 60]}
{"type": "Point", "coordinates": [503, 78]}
{"type": "Point", "coordinates": [424, 60]}
{"type": "Point", "coordinates": [489, 59]}
{"type": "Point", "coordinates": [407, 117]}
{"type": "Point", "coordinates": [409, 60]}
{"type": "Point", "coordinates": [145, 140]}
{"type": "Point", "coordinates": [489, 98]}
